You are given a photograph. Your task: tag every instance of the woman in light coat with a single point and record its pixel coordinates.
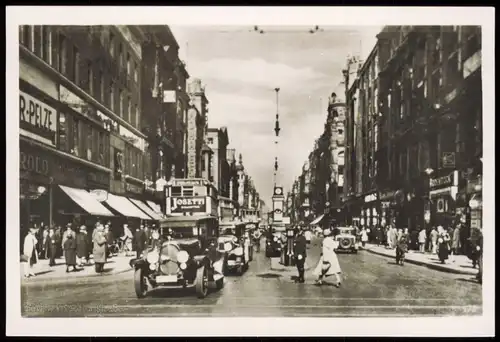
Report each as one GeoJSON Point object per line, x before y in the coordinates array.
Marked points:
{"type": "Point", "coordinates": [364, 236]}
{"type": "Point", "coordinates": [328, 264]}
{"type": "Point", "coordinates": [99, 249]}
{"type": "Point", "coordinates": [30, 254]}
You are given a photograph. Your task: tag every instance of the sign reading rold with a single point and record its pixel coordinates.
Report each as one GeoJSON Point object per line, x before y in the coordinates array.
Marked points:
{"type": "Point", "coordinates": [188, 204]}
{"type": "Point", "coordinates": [37, 119]}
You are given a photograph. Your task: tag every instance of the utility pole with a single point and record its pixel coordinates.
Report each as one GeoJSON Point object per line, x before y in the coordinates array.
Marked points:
{"type": "Point", "coordinates": [277, 132]}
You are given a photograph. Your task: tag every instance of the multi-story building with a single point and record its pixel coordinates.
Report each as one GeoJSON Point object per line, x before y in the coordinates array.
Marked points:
{"type": "Point", "coordinates": [196, 122]}
{"type": "Point", "coordinates": [80, 120]}
{"type": "Point", "coordinates": [362, 126]}
{"type": "Point", "coordinates": [218, 140]}
{"type": "Point", "coordinates": [415, 133]}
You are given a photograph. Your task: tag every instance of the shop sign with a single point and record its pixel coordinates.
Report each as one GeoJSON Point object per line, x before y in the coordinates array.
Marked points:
{"type": "Point", "coordinates": [370, 198]}
{"type": "Point", "coordinates": [386, 195]}
{"type": "Point", "coordinates": [441, 181]}
{"type": "Point", "coordinates": [134, 189]}
{"type": "Point", "coordinates": [188, 204]}
{"type": "Point", "coordinates": [99, 195]}
{"type": "Point", "coordinates": [37, 120]}
{"type": "Point", "coordinates": [31, 163]}
{"type": "Point", "coordinates": [187, 182]}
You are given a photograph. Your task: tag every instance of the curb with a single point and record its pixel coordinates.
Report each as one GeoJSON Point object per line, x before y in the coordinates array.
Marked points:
{"type": "Point", "coordinates": [422, 263]}
{"type": "Point", "coordinates": [72, 279]}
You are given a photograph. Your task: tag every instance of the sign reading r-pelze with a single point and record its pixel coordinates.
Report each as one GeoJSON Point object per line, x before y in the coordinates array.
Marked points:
{"type": "Point", "coordinates": [187, 204]}
{"type": "Point", "coordinates": [37, 119]}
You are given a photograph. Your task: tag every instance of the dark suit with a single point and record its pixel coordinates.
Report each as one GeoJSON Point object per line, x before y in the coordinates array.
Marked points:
{"type": "Point", "coordinates": [140, 242]}
{"type": "Point", "coordinates": [300, 248]}
{"type": "Point", "coordinates": [51, 246]}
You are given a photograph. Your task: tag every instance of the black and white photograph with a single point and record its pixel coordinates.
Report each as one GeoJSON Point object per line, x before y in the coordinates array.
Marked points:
{"type": "Point", "coordinates": [210, 168]}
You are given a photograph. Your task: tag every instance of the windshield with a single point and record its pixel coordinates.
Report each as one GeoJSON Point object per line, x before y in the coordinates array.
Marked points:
{"type": "Point", "coordinates": [182, 232]}
{"type": "Point", "coordinates": [229, 231]}
{"type": "Point", "coordinates": [349, 231]}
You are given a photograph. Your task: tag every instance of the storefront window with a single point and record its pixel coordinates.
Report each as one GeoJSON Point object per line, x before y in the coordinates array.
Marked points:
{"type": "Point", "coordinates": [75, 146]}
{"type": "Point", "coordinates": [63, 129]}
{"type": "Point", "coordinates": [89, 141]}
{"type": "Point", "coordinates": [63, 48]}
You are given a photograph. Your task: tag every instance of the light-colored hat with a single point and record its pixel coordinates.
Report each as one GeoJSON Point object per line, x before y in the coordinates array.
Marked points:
{"type": "Point", "coordinates": [83, 228]}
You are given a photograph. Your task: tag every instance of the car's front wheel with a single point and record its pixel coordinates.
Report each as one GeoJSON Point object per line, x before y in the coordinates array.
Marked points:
{"type": "Point", "coordinates": [140, 283]}
{"type": "Point", "coordinates": [201, 282]}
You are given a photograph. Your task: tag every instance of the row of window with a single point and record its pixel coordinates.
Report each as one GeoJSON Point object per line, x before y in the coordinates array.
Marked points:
{"type": "Point", "coordinates": [57, 50]}
{"type": "Point", "coordinates": [83, 139]}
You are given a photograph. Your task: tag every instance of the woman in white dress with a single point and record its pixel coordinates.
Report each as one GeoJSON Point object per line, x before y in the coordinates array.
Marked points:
{"type": "Point", "coordinates": [328, 264]}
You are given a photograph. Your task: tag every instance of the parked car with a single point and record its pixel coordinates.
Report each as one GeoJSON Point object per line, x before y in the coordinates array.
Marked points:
{"type": "Point", "coordinates": [347, 241]}
{"type": "Point", "coordinates": [273, 244]}
{"type": "Point", "coordinates": [237, 247]}
{"type": "Point", "coordinates": [186, 257]}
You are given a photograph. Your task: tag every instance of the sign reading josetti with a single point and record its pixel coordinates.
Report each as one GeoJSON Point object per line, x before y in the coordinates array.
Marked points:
{"type": "Point", "coordinates": [188, 204]}
{"type": "Point", "coordinates": [37, 119]}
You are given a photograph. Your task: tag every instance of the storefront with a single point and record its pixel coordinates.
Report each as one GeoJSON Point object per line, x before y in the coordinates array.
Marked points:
{"type": "Point", "coordinates": [370, 213]}
{"type": "Point", "coordinates": [386, 200]}
{"type": "Point", "coordinates": [226, 209]}
{"type": "Point", "coordinates": [475, 189]}
{"type": "Point", "coordinates": [442, 195]}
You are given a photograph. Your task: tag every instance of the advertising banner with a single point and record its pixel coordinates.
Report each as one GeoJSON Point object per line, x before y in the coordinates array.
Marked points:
{"type": "Point", "coordinates": [187, 205]}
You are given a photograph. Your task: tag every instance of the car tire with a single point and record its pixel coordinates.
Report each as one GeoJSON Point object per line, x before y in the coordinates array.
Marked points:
{"type": "Point", "coordinates": [224, 266]}
{"type": "Point", "coordinates": [140, 284]}
{"type": "Point", "coordinates": [219, 284]}
{"type": "Point", "coordinates": [201, 282]}
{"type": "Point", "coordinates": [240, 270]}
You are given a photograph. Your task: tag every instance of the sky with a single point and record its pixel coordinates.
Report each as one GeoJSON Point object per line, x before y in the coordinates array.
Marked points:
{"type": "Point", "coordinates": [241, 68]}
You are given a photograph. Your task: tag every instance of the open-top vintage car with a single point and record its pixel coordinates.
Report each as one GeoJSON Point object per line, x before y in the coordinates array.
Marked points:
{"type": "Point", "coordinates": [237, 245]}
{"type": "Point", "coordinates": [186, 256]}
{"type": "Point", "coordinates": [346, 238]}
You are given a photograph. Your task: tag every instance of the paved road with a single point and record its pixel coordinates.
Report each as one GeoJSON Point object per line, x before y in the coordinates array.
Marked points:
{"type": "Point", "coordinates": [374, 286]}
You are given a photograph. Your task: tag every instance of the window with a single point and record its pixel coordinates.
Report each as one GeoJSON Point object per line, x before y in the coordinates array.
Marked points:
{"type": "Point", "coordinates": [49, 46]}
{"type": "Point", "coordinates": [63, 138]}
{"type": "Point", "coordinates": [130, 114]}
{"type": "Point", "coordinates": [136, 115]}
{"type": "Point", "coordinates": [76, 66]}
{"type": "Point", "coordinates": [89, 141]}
{"type": "Point", "coordinates": [136, 72]}
{"type": "Point", "coordinates": [112, 96]}
{"type": "Point", "coordinates": [210, 141]}
{"type": "Point", "coordinates": [129, 65]}
{"type": "Point", "coordinates": [435, 85]}
{"type": "Point", "coordinates": [375, 137]}
{"type": "Point", "coordinates": [37, 40]}
{"type": "Point", "coordinates": [120, 55]}
{"type": "Point", "coordinates": [120, 105]}
{"type": "Point", "coordinates": [101, 149]}
{"type": "Point", "coordinates": [24, 35]}
{"type": "Point", "coordinates": [90, 77]}
{"type": "Point", "coordinates": [63, 56]}
{"type": "Point", "coordinates": [102, 86]}
{"type": "Point", "coordinates": [112, 44]}
{"type": "Point", "coordinates": [76, 138]}
{"type": "Point", "coordinates": [176, 191]}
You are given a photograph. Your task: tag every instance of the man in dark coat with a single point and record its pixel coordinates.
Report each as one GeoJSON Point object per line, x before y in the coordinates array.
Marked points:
{"type": "Point", "coordinates": [300, 247]}
{"type": "Point", "coordinates": [70, 251]}
{"type": "Point", "coordinates": [109, 239]}
{"type": "Point", "coordinates": [82, 245]}
{"type": "Point", "coordinates": [140, 241]}
{"type": "Point", "coordinates": [147, 233]}
{"type": "Point", "coordinates": [51, 245]}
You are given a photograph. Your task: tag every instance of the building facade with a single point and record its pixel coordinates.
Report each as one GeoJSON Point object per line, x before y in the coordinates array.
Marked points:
{"type": "Point", "coordinates": [80, 118]}
{"type": "Point", "coordinates": [218, 140]}
{"type": "Point", "coordinates": [432, 143]}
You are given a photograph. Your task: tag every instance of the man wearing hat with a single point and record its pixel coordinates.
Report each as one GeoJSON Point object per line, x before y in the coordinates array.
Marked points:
{"type": "Point", "coordinates": [140, 241]}
{"type": "Point", "coordinates": [300, 247]}
{"type": "Point", "coordinates": [68, 230]}
{"type": "Point", "coordinates": [82, 246]}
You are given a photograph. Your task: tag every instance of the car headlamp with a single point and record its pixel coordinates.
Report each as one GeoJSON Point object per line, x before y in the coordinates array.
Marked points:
{"type": "Point", "coordinates": [275, 239]}
{"type": "Point", "coordinates": [182, 256]}
{"type": "Point", "coordinates": [235, 239]}
{"type": "Point", "coordinates": [228, 246]}
{"type": "Point", "coordinates": [478, 248]}
{"type": "Point", "coordinates": [300, 257]}
{"type": "Point", "coordinates": [153, 257]}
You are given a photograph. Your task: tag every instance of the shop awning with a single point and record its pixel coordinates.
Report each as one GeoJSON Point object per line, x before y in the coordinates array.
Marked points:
{"type": "Point", "coordinates": [86, 201]}
{"type": "Point", "coordinates": [125, 207]}
{"type": "Point", "coordinates": [156, 208]}
{"type": "Point", "coordinates": [146, 209]}
{"type": "Point", "coordinates": [317, 220]}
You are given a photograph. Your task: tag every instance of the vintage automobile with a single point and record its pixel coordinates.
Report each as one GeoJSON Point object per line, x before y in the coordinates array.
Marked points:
{"type": "Point", "coordinates": [346, 238]}
{"type": "Point", "coordinates": [185, 256]}
{"type": "Point", "coordinates": [237, 245]}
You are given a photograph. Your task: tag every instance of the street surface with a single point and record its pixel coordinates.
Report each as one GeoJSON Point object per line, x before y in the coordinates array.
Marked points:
{"type": "Point", "coordinates": [374, 286]}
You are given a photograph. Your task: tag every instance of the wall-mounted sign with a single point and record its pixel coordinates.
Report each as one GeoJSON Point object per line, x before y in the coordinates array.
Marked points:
{"type": "Point", "coordinates": [448, 160]}
{"type": "Point", "coordinates": [187, 182]}
{"type": "Point", "coordinates": [187, 204]}
{"type": "Point", "coordinates": [441, 181]}
{"type": "Point", "coordinates": [370, 198]}
{"type": "Point", "coordinates": [37, 120]}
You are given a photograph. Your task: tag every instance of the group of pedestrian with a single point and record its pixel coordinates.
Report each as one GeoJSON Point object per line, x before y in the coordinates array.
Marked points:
{"type": "Point", "coordinates": [75, 245]}
{"type": "Point", "coordinates": [328, 264]}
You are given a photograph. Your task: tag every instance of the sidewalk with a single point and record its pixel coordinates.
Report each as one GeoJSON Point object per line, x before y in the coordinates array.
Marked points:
{"type": "Point", "coordinates": [115, 265]}
{"type": "Point", "coordinates": [461, 264]}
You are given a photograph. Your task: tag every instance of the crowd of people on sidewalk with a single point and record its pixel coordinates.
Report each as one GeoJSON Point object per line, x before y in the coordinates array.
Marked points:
{"type": "Point", "coordinates": [78, 247]}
